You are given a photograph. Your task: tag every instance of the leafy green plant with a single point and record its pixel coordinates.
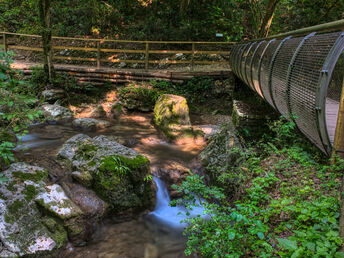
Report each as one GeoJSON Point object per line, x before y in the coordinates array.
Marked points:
{"type": "Point", "coordinates": [18, 107]}
{"type": "Point", "coordinates": [115, 165]}
{"type": "Point", "coordinates": [286, 202]}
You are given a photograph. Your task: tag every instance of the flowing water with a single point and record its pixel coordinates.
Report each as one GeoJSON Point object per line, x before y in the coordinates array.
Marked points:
{"type": "Point", "coordinates": [157, 234]}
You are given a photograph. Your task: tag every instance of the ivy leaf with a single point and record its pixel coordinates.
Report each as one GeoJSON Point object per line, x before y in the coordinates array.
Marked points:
{"type": "Point", "coordinates": [287, 244]}
{"type": "Point", "coordinates": [231, 235]}
{"type": "Point", "coordinates": [260, 235]}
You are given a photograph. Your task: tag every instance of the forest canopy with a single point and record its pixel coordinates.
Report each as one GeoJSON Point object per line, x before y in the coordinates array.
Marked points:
{"type": "Point", "coordinates": [170, 19]}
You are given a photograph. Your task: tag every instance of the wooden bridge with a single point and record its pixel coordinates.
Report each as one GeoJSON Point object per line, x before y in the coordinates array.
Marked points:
{"type": "Point", "coordinates": [299, 72]}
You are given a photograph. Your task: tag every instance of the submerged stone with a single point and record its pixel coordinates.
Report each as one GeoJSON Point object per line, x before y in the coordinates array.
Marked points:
{"type": "Point", "coordinates": [90, 124]}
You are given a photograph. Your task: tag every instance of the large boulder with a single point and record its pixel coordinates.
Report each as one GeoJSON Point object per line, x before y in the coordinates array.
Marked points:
{"type": "Point", "coordinates": [222, 157]}
{"type": "Point", "coordinates": [24, 229]}
{"type": "Point", "coordinates": [171, 115]}
{"type": "Point", "coordinates": [90, 124]}
{"type": "Point", "coordinates": [57, 113]}
{"type": "Point", "coordinates": [119, 175]}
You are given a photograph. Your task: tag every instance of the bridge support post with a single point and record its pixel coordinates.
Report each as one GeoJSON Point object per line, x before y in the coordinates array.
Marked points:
{"type": "Point", "coordinates": [98, 54]}
{"type": "Point", "coordinates": [147, 56]}
{"type": "Point", "coordinates": [193, 57]}
{"type": "Point", "coordinates": [338, 146]}
{"type": "Point", "coordinates": [4, 37]}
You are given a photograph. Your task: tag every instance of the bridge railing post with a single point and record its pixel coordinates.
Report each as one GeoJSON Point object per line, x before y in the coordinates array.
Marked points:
{"type": "Point", "coordinates": [193, 57]}
{"type": "Point", "coordinates": [147, 56]}
{"type": "Point", "coordinates": [98, 54]}
{"type": "Point", "coordinates": [4, 38]}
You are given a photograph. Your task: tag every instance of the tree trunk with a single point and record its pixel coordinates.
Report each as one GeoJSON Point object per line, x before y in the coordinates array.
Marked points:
{"type": "Point", "coordinates": [267, 20]}
{"type": "Point", "coordinates": [44, 14]}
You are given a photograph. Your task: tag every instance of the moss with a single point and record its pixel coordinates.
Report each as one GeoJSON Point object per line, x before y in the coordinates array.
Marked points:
{"type": "Point", "coordinates": [30, 192]}
{"type": "Point", "coordinates": [39, 175]}
{"type": "Point", "coordinates": [11, 187]}
{"type": "Point", "coordinates": [86, 151]}
{"type": "Point", "coordinates": [118, 178]}
{"type": "Point", "coordinates": [92, 163]}
{"type": "Point", "coordinates": [13, 211]}
{"type": "Point", "coordinates": [3, 197]}
{"type": "Point", "coordinates": [74, 227]}
{"type": "Point", "coordinates": [58, 233]}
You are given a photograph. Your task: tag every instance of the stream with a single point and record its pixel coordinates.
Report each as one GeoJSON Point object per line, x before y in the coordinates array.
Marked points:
{"type": "Point", "coordinates": [156, 234]}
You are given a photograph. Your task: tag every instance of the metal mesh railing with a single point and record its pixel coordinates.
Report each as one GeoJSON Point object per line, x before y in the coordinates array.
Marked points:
{"type": "Point", "coordinates": [299, 77]}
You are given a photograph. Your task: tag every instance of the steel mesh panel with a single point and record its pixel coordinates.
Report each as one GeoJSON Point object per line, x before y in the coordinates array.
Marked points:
{"type": "Point", "coordinates": [292, 75]}
{"type": "Point", "coordinates": [242, 62]}
{"type": "Point", "coordinates": [255, 66]}
{"type": "Point", "coordinates": [304, 78]}
{"type": "Point", "coordinates": [248, 64]}
{"type": "Point", "coordinates": [279, 74]}
{"type": "Point", "coordinates": [333, 98]}
{"type": "Point", "coordinates": [265, 70]}
{"type": "Point", "coordinates": [237, 59]}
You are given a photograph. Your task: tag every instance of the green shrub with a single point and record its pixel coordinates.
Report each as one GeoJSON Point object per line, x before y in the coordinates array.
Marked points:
{"type": "Point", "coordinates": [287, 204]}
{"type": "Point", "coordinates": [18, 107]}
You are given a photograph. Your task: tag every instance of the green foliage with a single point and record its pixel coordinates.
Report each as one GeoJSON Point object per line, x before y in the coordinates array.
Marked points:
{"type": "Point", "coordinates": [115, 165]}
{"type": "Point", "coordinates": [287, 204]}
{"type": "Point", "coordinates": [18, 107]}
{"type": "Point", "coordinates": [195, 90]}
{"type": "Point", "coordinates": [139, 92]}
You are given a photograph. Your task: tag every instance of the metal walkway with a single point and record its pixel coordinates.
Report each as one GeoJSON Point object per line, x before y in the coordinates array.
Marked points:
{"type": "Point", "coordinates": [302, 76]}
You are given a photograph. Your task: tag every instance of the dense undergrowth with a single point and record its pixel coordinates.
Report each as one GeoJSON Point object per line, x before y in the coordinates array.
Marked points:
{"type": "Point", "coordinates": [18, 108]}
{"type": "Point", "coordinates": [286, 205]}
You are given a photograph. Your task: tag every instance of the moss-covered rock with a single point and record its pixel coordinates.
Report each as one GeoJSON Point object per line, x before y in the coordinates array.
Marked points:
{"type": "Point", "coordinates": [171, 115]}
{"type": "Point", "coordinates": [222, 156]}
{"type": "Point", "coordinates": [116, 173]}
{"type": "Point", "coordinates": [22, 230]}
{"type": "Point", "coordinates": [141, 97]}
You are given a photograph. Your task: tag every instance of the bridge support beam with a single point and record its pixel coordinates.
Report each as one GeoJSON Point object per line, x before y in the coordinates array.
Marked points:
{"type": "Point", "coordinates": [338, 146]}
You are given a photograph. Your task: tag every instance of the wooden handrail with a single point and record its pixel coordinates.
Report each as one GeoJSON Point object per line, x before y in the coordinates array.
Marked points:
{"type": "Point", "coordinates": [146, 50]}
{"type": "Point", "coordinates": [118, 41]}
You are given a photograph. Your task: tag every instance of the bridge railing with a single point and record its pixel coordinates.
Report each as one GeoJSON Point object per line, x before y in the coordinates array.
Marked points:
{"type": "Point", "coordinates": [300, 74]}
{"type": "Point", "coordinates": [101, 52]}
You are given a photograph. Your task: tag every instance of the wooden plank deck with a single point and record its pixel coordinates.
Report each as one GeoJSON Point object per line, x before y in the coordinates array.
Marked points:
{"type": "Point", "coordinates": [332, 108]}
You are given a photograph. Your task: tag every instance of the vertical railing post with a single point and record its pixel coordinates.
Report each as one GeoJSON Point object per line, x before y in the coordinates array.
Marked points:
{"type": "Point", "coordinates": [98, 54]}
{"type": "Point", "coordinates": [338, 146]}
{"type": "Point", "coordinates": [193, 57]}
{"type": "Point", "coordinates": [4, 37]}
{"type": "Point", "coordinates": [147, 56]}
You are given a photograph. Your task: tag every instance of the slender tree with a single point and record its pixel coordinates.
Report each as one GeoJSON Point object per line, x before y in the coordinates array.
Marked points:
{"type": "Point", "coordinates": [44, 15]}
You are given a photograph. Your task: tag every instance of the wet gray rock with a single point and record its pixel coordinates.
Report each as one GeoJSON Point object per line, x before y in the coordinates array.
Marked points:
{"type": "Point", "coordinates": [53, 95]}
{"type": "Point", "coordinates": [208, 130]}
{"type": "Point", "coordinates": [222, 150]}
{"type": "Point", "coordinates": [223, 155]}
{"type": "Point", "coordinates": [89, 124]}
{"type": "Point", "coordinates": [22, 230]}
{"type": "Point", "coordinates": [116, 173]}
{"type": "Point", "coordinates": [57, 113]}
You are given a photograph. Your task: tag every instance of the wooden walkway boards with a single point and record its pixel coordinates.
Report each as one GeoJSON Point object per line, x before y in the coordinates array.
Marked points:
{"type": "Point", "coordinates": [99, 76]}
{"type": "Point", "coordinates": [332, 108]}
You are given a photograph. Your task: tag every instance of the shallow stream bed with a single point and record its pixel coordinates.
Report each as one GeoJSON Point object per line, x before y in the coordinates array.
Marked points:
{"type": "Point", "coordinates": [158, 234]}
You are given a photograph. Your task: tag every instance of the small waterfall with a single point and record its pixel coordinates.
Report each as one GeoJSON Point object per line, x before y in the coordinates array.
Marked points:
{"type": "Point", "coordinates": [165, 214]}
